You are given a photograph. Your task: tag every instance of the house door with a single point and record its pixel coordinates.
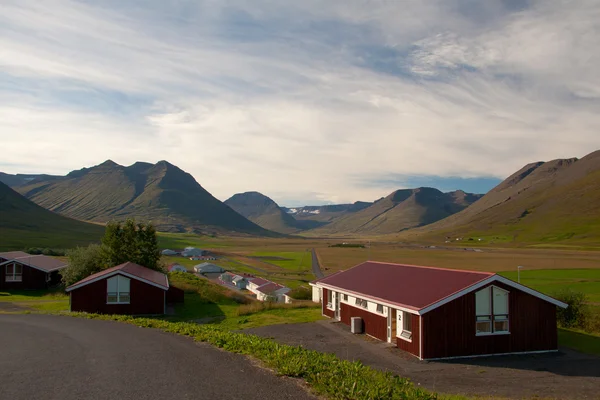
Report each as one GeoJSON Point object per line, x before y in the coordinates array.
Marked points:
{"type": "Point", "coordinates": [391, 334]}
{"type": "Point", "coordinates": [337, 306]}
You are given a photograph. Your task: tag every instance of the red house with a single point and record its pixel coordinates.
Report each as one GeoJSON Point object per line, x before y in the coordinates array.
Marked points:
{"type": "Point", "coordinates": [19, 270]}
{"type": "Point", "coordinates": [125, 289]}
{"type": "Point", "coordinates": [436, 313]}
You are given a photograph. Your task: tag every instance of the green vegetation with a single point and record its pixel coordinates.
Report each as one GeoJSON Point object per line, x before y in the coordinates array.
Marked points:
{"type": "Point", "coordinates": [25, 224]}
{"type": "Point", "coordinates": [37, 300]}
{"type": "Point", "coordinates": [580, 341]}
{"type": "Point", "coordinates": [183, 240]}
{"type": "Point", "coordinates": [293, 261]}
{"type": "Point", "coordinates": [267, 305]}
{"type": "Point", "coordinates": [550, 281]}
{"type": "Point", "coordinates": [356, 245]}
{"type": "Point", "coordinates": [326, 374]}
{"type": "Point", "coordinates": [301, 293]}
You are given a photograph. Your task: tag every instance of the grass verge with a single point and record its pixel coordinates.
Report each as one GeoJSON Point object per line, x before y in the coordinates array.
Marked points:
{"type": "Point", "coordinates": [325, 373]}
{"type": "Point", "coordinates": [580, 341]}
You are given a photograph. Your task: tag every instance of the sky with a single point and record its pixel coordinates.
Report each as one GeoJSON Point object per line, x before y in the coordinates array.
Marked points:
{"type": "Point", "coordinates": [309, 102]}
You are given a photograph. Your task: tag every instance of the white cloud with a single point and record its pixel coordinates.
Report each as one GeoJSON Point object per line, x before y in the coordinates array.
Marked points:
{"type": "Point", "coordinates": [299, 100]}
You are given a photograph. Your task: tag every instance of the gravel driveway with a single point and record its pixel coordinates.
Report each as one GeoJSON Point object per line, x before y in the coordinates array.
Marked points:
{"type": "Point", "coordinates": [563, 375]}
{"type": "Point", "coordinates": [63, 358]}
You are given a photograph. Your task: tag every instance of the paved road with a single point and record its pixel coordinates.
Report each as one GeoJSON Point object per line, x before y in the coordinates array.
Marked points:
{"type": "Point", "coordinates": [316, 267]}
{"type": "Point", "coordinates": [50, 357]}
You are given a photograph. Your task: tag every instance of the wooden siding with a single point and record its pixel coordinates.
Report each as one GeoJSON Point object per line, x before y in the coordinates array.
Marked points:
{"type": "Point", "coordinates": [414, 346]}
{"type": "Point", "coordinates": [175, 295]}
{"type": "Point", "coordinates": [373, 324]}
{"type": "Point", "coordinates": [32, 279]}
{"type": "Point", "coordinates": [145, 299]}
{"type": "Point", "coordinates": [449, 331]}
{"type": "Point", "coordinates": [326, 312]}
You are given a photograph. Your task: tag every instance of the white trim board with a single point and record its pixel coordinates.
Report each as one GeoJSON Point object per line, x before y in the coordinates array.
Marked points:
{"type": "Point", "coordinates": [117, 272]}
{"type": "Point", "coordinates": [491, 355]}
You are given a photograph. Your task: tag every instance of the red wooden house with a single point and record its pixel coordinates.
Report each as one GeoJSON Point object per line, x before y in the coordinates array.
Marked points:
{"type": "Point", "coordinates": [22, 271]}
{"type": "Point", "coordinates": [436, 313]}
{"type": "Point", "coordinates": [125, 289]}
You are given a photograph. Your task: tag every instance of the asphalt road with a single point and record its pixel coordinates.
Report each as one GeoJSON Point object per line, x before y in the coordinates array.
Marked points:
{"type": "Point", "coordinates": [316, 267]}
{"type": "Point", "coordinates": [50, 357]}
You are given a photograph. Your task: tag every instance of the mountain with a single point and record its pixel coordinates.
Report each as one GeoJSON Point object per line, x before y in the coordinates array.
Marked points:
{"type": "Point", "coordinates": [322, 215]}
{"type": "Point", "coordinates": [554, 201]}
{"type": "Point", "coordinates": [263, 211]}
{"type": "Point", "coordinates": [401, 210]}
{"type": "Point", "coordinates": [21, 179]}
{"type": "Point", "coordinates": [25, 224]}
{"type": "Point", "coordinates": [161, 193]}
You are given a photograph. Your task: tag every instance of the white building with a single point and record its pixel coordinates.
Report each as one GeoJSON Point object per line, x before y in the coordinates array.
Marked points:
{"type": "Point", "coordinates": [206, 268]}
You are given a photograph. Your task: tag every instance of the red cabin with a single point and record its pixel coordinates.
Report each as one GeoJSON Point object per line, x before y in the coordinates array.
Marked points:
{"type": "Point", "coordinates": [125, 289]}
{"type": "Point", "coordinates": [436, 313]}
{"type": "Point", "coordinates": [22, 271]}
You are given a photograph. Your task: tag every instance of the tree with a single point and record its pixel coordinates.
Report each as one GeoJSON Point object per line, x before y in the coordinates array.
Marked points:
{"type": "Point", "coordinates": [133, 242]}
{"type": "Point", "coordinates": [83, 262]}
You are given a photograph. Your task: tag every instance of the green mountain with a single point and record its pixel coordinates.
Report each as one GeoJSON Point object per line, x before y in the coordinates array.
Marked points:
{"type": "Point", "coordinates": [161, 193]}
{"type": "Point", "coordinates": [401, 210]}
{"type": "Point", "coordinates": [555, 201]}
{"type": "Point", "coordinates": [25, 224]}
{"type": "Point", "coordinates": [263, 211]}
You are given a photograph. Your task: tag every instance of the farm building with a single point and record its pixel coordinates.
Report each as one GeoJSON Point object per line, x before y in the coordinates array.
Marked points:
{"type": "Point", "coordinates": [125, 289]}
{"type": "Point", "coordinates": [169, 252]}
{"type": "Point", "coordinates": [272, 292]}
{"type": "Point", "coordinates": [206, 268]}
{"type": "Point", "coordinates": [19, 270]}
{"type": "Point", "coordinates": [235, 280]}
{"type": "Point", "coordinates": [436, 313]}
{"type": "Point", "coordinates": [254, 284]}
{"type": "Point", "coordinates": [176, 268]}
{"type": "Point", "coordinates": [193, 252]}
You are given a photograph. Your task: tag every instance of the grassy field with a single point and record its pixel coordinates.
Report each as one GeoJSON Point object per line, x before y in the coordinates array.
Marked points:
{"type": "Point", "coordinates": [290, 260]}
{"type": "Point", "coordinates": [37, 300]}
{"type": "Point", "coordinates": [580, 341]}
{"type": "Point", "coordinates": [550, 281]}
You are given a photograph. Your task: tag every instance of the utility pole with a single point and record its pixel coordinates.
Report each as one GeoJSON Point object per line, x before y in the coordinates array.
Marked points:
{"type": "Point", "coordinates": [519, 274]}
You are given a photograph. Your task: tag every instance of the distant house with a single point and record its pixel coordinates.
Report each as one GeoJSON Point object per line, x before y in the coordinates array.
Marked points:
{"type": "Point", "coordinates": [272, 292]}
{"type": "Point", "coordinates": [19, 270]}
{"type": "Point", "coordinates": [254, 283]}
{"type": "Point", "coordinates": [176, 268]}
{"type": "Point", "coordinates": [436, 313]}
{"type": "Point", "coordinates": [168, 252]}
{"type": "Point", "coordinates": [206, 268]}
{"type": "Point", "coordinates": [125, 289]}
{"type": "Point", "coordinates": [193, 252]}
{"type": "Point", "coordinates": [238, 281]}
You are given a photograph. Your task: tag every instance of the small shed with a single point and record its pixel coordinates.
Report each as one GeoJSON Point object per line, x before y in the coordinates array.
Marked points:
{"type": "Point", "coordinates": [169, 252]}
{"type": "Point", "coordinates": [192, 251]}
{"type": "Point", "coordinates": [19, 270]}
{"type": "Point", "coordinates": [176, 268]}
{"type": "Point", "coordinates": [206, 268]}
{"type": "Point", "coordinates": [239, 282]}
{"type": "Point", "coordinates": [128, 288]}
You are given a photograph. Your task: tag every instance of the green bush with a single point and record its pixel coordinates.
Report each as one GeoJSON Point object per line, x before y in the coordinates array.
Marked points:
{"type": "Point", "coordinates": [301, 293]}
{"type": "Point", "coordinates": [325, 373]}
{"type": "Point", "coordinates": [576, 314]}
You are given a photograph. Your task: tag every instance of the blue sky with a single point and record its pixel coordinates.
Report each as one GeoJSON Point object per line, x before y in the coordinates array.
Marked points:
{"type": "Point", "coordinates": [308, 102]}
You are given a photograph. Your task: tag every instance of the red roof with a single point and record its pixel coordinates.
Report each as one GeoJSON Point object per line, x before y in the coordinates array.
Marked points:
{"type": "Point", "coordinates": [409, 286]}
{"type": "Point", "coordinates": [259, 281]}
{"type": "Point", "coordinates": [10, 255]}
{"type": "Point", "coordinates": [269, 288]}
{"type": "Point", "coordinates": [41, 262]}
{"type": "Point", "coordinates": [128, 268]}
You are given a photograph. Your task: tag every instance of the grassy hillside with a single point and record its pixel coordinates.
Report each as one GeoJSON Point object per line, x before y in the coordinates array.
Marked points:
{"type": "Point", "coordinates": [264, 212]}
{"type": "Point", "coordinates": [25, 224]}
{"type": "Point", "coordinates": [161, 193]}
{"type": "Point", "coordinates": [402, 209]}
{"type": "Point", "coordinates": [556, 202]}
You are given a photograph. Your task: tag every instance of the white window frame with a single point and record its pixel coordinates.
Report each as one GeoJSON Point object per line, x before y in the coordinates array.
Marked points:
{"type": "Point", "coordinates": [492, 317]}
{"type": "Point", "coordinates": [13, 277]}
{"type": "Point", "coordinates": [379, 308]}
{"type": "Point", "coordinates": [405, 334]}
{"type": "Point", "coordinates": [361, 303]}
{"type": "Point", "coordinates": [118, 292]}
{"type": "Point", "coordinates": [330, 305]}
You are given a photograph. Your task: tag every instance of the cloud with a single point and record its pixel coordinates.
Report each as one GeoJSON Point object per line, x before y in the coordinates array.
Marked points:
{"type": "Point", "coordinates": [299, 100]}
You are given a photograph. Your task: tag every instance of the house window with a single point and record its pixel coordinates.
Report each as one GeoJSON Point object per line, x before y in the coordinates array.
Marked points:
{"type": "Point", "coordinates": [406, 325]}
{"type": "Point", "coordinates": [345, 297]}
{"type": "Point", "coordinates": [118, 290]}
{"type": "Point", "coordinates": [14, 273]}
{"type": "Point", "coordinates": [361, 303]}
{"type": "Point", "coordinates": [330, 299]}
{"type": "Point", "coordinates": [379, 308]}
{"type": "Point", "coordinates": [491, 309]}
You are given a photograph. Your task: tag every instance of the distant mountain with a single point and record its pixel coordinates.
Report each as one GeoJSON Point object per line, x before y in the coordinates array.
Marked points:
{"type": "Point", "coordinates": [25, 224]}
{"type": "Point", "coordinates": [322, 215]}
{"type": "Point", "coordinates": [161, 193]}
{"type": "Point", "coordinates": [551, 201]}
{"type": "Point", "coordinates": [263, 211]}
{"type": "Point", "coordinates": [401, 210]}
{"type": "Point", "coordinates": [21, 179]}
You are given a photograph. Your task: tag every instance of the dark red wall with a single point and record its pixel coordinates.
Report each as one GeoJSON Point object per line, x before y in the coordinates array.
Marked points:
{"type": "Point", "coordinates": [32, 279]}
{"type": "Point", "coordinates": [414, 346]}
{"type": "Point", "coordinates": [175, 295]}
{"type": "Point", "coordinates": [449, 331]}
{"type": "Point", "coordinates": [145, 299]}
{"type": "Point", "coordinates": [373, 324]}
{"type": "Point", "coordinates": [326, 311]}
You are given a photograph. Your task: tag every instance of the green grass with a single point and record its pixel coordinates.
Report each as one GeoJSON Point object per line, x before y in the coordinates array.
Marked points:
{"type": "Point", "coordinates": [14, 296]}
{"type": "Point", "coordinates": [289, 260]}
{"type": "Point", "coordinates": [552, 280]}
{"type": "Point", "coordinates": [580, 341]}
{"type": "Point", "coordinates": [182, 240]}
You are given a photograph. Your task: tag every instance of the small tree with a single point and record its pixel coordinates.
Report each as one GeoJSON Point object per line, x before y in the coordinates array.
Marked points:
{"type": "Point", "coordinates": [83, 262]}
{"type": "Point", "coordinates": [574, 316]}
{"type": "Point", "coordinates": [133, 242]}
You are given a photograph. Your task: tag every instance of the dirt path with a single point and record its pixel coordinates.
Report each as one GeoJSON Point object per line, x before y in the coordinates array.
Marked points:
{"type": "Point", "coordinates": [563, 375]}
{"type": "Point", "coordinates": [316, 266]}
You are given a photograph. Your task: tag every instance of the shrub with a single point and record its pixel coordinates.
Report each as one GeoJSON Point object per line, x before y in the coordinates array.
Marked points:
{"type": "Point", "coordinates": [301, 293]}
{"type": "Point", "coordinates": [259, 306]}
{"type": "Point", "coordinates": [575, 315]}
